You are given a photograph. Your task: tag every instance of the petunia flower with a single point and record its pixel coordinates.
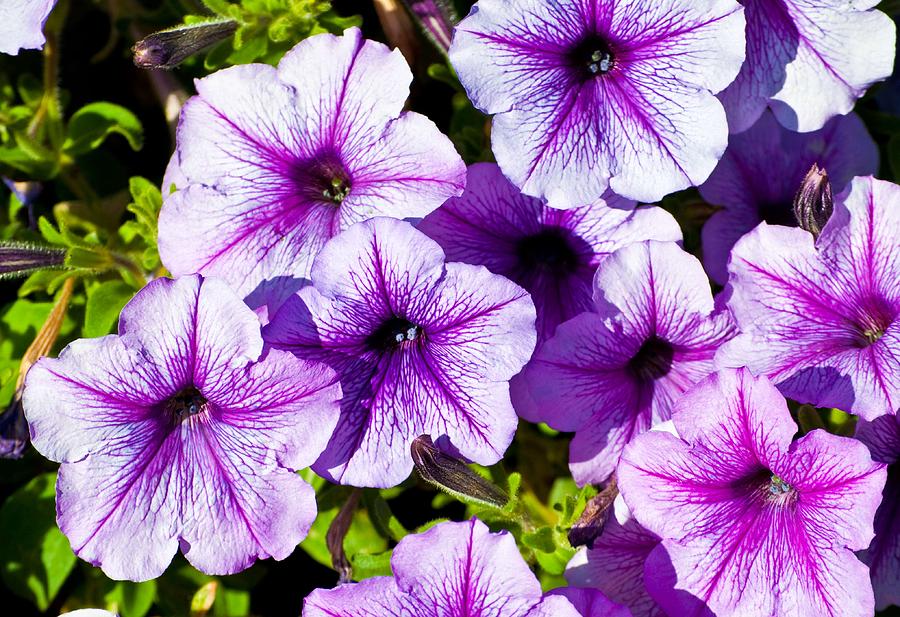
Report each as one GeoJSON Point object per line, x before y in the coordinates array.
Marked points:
{"type": "Point", "coordinates": [615, 562]}
{"type": "Point", "coordinates": [451, 569]}
{"type": "Point", "coordinates": [422, 348]}
{"type": "Point", "coordinates": [882, 436]}
{"type": "Point", "coordinates": [178, 433]}
{"type": "Point", "coordinates": [762, 170]}
{"type": "Point", "coordinates": [598, 94]}
{"type": "Point", "coordinates": [271, 163]}
{"type": "Point", "coordinates": [808, 61]}
{"type": "Point", "coordinates": [822, 319]}
{"type": "Point", "coordinates": [612, 373]}
{"type": "Point", "coordinates": [552, 253]}
{"type": "Point", "coordinates": [22, 24]}
{"type": "Point", "coordinates": [752, 523]}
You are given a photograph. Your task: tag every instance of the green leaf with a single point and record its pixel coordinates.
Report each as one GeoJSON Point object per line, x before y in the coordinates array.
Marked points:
{"type": "Point", "coordinates": [35, 554]}
{"type": "Point", "coordinates": [382, 517]}
{"type": "Point", "coordinates": [104, 303]}
{"type": "Point", "coordinates": [131, 599]}
{"type": "Point", "coordinates": [92, 124]}
{"type": "Point", "coordinates": [540, 540]}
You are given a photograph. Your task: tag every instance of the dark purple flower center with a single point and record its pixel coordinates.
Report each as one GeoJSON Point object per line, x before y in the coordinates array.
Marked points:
{"type": "Point", "coordinates": [592, 57]}
{"type": "Point", "coordinates": [322, 179]}
{"type": "Point", "coordinates": [550, 249]}
{"type": "Point", "coordinates": [652, 361]}
{"type": "Point", "coordinates": [778, 214]}
{"type": "Point", "coordinates": [393, 333]}
{"type": "Point", "coordinates": [185, 404]}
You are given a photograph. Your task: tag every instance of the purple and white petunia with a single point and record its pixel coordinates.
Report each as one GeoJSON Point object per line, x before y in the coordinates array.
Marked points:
{"type": "Point", "coordinates": [808, 60]}
{"type": "Point", "coordinates": [612, 373]}
{"type": "Point", "coordinates": [752, 523]}
{"type": "Point", "coordinates": [180, 432]}
{"type": "Point", "coordinates": [614, 564]}
{"type": "Point", "coordinates": [762, 170]}
{"type": "Point", "coordinates": [882, 436]}
{"type": "Point", "coordinates": [22, 24]}
{"type": "Point", "coordinates": [271, 163]}
{"type": "Point", "coordinates": [451, 569]}
{"type": "Point", "coordinates": [421, 346]}
{"type": "Point", "coordinates": [821, 318]}
{"type": "Point", "coordinates": [552, 253]}
{"type": "Point", "coordinates": [597, 94]}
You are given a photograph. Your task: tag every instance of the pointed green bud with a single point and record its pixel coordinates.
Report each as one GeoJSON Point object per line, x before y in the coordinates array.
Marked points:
{"type": "Point", "coordinates": [453, 476]}
{"type": "Point", "coordinates": [22, 258]}
{"type": "Point", "coordinates": [169, 48]}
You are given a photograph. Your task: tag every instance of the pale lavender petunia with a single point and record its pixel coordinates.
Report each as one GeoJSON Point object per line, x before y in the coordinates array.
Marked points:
{"type": "Point", "coordinates": [180, 433]}
{"type": "Point", "coordinates": [271, 163]}
{"type": "Point", "coordinates": [422, 347]}
{"type": "Point", "coordinates": [552, 253]}
{"type": "Point", "coordinates": [762, 170]}
{"type": "Point", "coordinates": [612, 373]}
{"type": "Point", "coordinates": [22, 24]}
{"type": "Point", "coordinates": [614, 564]}
{"type": "Point", "coordinates": [822, 318]}
{"type": "Point", "coordinates": [882, 436]}
{"type": "Point", "coordinates": [752, 523]}
{"type": "Point", "coordinates": [597, 94]}
{"type": "Point", "coordinates": [451, 569]}
{"type": "Point", "coordinates": [808, 60]}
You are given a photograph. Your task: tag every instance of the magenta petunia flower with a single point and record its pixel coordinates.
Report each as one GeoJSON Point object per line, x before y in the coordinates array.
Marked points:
{"type": "Point", "coordinates": [762, 170]}
{"type": "Point", "coordinates": [178, 433]}
{"type": "Point", "coordinates": [22, 24]}
{"type": "Point", "coordinates": [882, 436]}
{"type": "Point", "coordinates": [614, 372]}
{"type": "Point", "coordinates": [753, 524]}
{"type": "Point", "coordinates": [614, 564]}
{"type": "Point", "coordinates": [552, 253]}
{"type": "Point", "coordinates": [822, 318]}
{"type": "Point", "coordinates": [451, 569]}
{"type": "Point", "coordinates": [597, 94]}
{"type": "Point", "coordinates": [272, 163]}
{"type": "Point", "coordinates": [422, 347]}
{"type": "Point", "coordinates": [808, 60]}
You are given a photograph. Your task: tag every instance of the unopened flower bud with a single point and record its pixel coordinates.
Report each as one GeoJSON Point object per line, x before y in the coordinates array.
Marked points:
{"type": "Point", "coordinates": [452, 475]}
{"type": "Point", "coordinates": [814, 203]}
{"type": "Point", "coordinates": [436, 18]}
{"type": "Point", "coordinates": [169, 48]}
{"type": "Point", "coordinates": [590, 524]}
{"type": "Point", "coordinates": [22, 258]}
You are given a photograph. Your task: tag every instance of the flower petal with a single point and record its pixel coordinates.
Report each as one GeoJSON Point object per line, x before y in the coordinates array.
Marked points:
{"type": "Point", "coordinates": [22, 24]}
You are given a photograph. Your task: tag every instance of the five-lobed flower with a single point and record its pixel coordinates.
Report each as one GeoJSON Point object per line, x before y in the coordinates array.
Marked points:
{"type": "Point", "coordinates": [590, 95]}
{"type": "Point", "coordinates": [272, 162]}
{"type": "Point", "coordinates": [179, 432]}
{"type": "Point", "coordinates": [821, 318]}
{"type": "Point", "coordinates": [752, 523]}
{"type": "Point", "coordinates": [611, 373]}
{"type": "Point", "coordinates": [422, 347]}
